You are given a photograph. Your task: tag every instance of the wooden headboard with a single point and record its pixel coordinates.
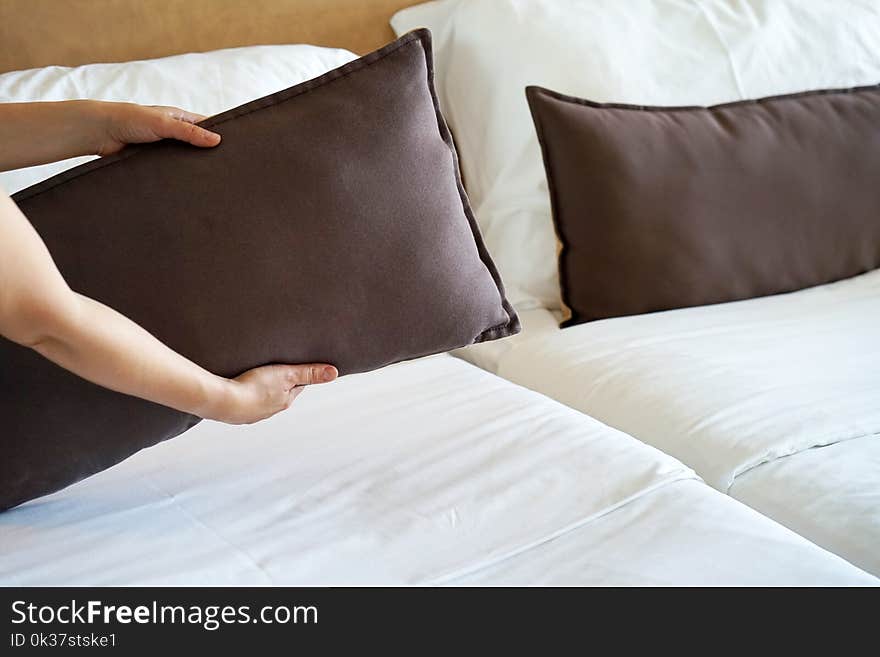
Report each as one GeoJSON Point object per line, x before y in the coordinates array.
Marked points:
{"type": "Point", "coordinates": [36, 33]}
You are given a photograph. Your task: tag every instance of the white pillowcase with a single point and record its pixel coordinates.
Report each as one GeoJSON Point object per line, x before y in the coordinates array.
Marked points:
{"type": "Point", "coordinates": [205, 83]}
{"type": "Point", "coordinates": [659, 52]}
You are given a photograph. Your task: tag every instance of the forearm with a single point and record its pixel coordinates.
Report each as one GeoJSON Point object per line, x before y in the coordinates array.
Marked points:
{"type": "Point", "coordinates": [39, 310]}
{"type": "Point", "coordinates": [37, 133]}
{"type": "Point", "coordinates": [106, 348]}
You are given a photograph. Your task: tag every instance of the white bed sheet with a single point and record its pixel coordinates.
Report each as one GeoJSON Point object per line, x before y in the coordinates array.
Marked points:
{"type": "Point", "coordinates": [730, 387]}
{"type": "Point", "coordinates": [725, 387]}
{"type": "Point", "coordinates": [682, 534]}
{"type": "Point", "coordinates": [837, 484]}
{"type": "Point", "coordinates": [425, 472]}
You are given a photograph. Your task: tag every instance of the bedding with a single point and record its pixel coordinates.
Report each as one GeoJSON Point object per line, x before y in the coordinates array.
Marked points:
{"type": "Point", "coordinates": [644, 52]}
{"type": "Point", "coordinates": [330, 225]}
{"type": "Point", "coordinates": [685, 534]}
{"type": "Point", "coordinates": [668, 207]}
{"type": "Point", "coordinates": [744, 393]}
{"type": "Point", "coordinates": [837, 484]}
{"type": "Point", "coordinates": [430, 471]}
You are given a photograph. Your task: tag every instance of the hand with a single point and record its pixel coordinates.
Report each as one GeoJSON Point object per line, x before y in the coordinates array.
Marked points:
{"type": "Point", "coordinates": [38, 133]}
{"type": "Point", "coordinates": [128, 123]}
{"type": "Point", "coordinates": [262, 392]}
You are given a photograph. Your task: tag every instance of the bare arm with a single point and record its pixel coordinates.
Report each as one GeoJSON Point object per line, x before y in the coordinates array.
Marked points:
{"type": "Point", "coordinates": [39, 310]}
{"type": "Point", "coordinates": [37, 133]}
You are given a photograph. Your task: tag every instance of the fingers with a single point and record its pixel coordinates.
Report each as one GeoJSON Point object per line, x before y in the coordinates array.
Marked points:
{"type": "Point", "coordinates": [180, 124]}
{"type": "Point", "coordinates": [264, 391]}
{"type": "Point", "coordinates": [190, 133]}
{"type": "Point", "coordinates": [303, 375]}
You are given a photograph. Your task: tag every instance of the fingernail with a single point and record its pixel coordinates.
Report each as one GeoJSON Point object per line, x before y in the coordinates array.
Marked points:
{"type": "Point", "coordinates": [328, 374]}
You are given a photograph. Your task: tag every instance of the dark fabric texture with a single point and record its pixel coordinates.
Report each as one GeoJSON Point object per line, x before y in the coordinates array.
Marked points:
{"type": "Point", "coordinates": [659, 208]}
{"type": "Point", "coordinates": [330, 225]}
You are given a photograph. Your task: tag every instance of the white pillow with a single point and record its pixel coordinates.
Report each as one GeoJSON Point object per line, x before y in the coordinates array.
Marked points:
{"type": "Point", "coordinates": [663, 52]}
{"type": "Point", "coordinates": [205, 83]}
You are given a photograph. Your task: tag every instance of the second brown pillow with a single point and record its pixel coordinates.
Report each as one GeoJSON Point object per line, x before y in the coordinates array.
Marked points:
{"type": "Point", "coordinates": [666, 207]}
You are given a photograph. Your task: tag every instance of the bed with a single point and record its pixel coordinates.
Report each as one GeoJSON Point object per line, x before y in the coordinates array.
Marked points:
{"type": "Point", "coordinates": [427, 472]}
{"type": "Point", "coordinates": [362, 483]}
{"type": "Point", "coordinates": [775, 401]}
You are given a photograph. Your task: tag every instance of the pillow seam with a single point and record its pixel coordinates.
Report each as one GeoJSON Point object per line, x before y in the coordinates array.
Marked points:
{"type": "Point", "coordinates": [584, 102]}
{"type": "Point", "coordinates": [532, 93]}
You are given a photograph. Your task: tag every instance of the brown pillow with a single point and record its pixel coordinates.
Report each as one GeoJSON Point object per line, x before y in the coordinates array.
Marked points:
{"type": "Point", "coordinates": [667, 207]}
{"type": "Point", "coordinates": [330, 225]}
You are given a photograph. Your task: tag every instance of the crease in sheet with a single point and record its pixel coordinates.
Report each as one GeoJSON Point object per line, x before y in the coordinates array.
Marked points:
{"type": "Point", "coordinates": [246, 558]}
{"type": "Point", "coordinates": [796, 449]}
{"type": "Point", "coordinates": [494, 560]}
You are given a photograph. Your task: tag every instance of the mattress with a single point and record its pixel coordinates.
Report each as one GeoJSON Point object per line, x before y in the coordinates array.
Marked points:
{"type": "Point", "coordinates": [737, 387]}
{"type": "Point", "coordinates": [431, 471]}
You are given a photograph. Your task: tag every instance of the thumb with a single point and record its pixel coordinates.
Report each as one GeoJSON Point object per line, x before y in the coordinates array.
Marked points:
{"type": "Point", "coordinates": [303, 375]}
